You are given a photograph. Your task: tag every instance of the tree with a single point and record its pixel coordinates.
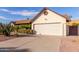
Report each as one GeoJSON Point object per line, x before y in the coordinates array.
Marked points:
{"type": "Point", "coordinates": [7, 29]}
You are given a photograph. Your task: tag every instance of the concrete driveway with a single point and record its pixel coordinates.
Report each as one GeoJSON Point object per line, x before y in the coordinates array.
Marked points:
{"type": "Point", "coordinates": [35, 43]}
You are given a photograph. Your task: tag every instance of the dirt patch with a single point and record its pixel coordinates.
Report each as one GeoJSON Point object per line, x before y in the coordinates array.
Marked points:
{"type": "Point", "coordinates": [3, 38]}
{"type": "Point", "coordinates": [70, 44]}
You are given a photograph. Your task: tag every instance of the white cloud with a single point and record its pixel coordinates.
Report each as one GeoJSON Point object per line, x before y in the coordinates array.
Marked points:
{"type": "Point", "coordinates": [5, 10]}
{"type": "Point", "coordinates": [2, 17]}
{"type": "Point", "coordinates": [22, 13]}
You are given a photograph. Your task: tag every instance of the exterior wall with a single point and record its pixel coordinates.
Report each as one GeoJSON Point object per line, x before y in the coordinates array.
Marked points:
{"type": "Point", "coordinates": [67, 30]}
{"type": "Point", "coordinates": [51, 18]}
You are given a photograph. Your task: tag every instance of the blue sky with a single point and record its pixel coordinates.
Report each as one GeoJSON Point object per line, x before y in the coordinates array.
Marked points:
{"type": "Point", "coordinates": [8, 14]}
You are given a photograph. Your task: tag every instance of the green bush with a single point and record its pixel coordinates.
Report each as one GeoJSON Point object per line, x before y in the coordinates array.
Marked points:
{"type": "Point", "coordinates": [27, 31]}
{"type": "Point", "coordinates": [7, 30]}
{"type": "Point", "coordinates": [23, 26]}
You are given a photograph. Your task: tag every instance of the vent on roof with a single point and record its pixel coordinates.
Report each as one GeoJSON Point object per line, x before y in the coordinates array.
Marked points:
{"type": "Point", "coordinates": [45, 8]}
{"type": "Point", "coordinates": [27, 18]}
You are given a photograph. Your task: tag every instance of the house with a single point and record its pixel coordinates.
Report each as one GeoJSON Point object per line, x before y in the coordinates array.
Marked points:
{"type": "Point", "coordinates": [48, 22]}
{"type": "Point", "coordinates": [21, 26]}
{"type": "Point", "coordinates": [26, 23]}
{"type": "Point", "coordinates": [22, 22]}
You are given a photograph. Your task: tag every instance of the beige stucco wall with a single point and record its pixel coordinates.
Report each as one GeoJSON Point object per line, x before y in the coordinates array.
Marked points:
{"type": "Point", "coordinates": [51, 18]}
{"type": "Point", "coordinates": [67, 30]}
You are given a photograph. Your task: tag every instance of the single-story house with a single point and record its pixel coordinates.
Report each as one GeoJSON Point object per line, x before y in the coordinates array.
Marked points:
{"type": "Point", "coordinates": [48, 22]}
{"type": "Point", "coordinates": [22, 22]}
{"type": "Point", "coordinates": [21, 26]}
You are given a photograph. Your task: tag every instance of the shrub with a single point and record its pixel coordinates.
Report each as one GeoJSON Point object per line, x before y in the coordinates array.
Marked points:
{"type": "Point", "coordinates": [1, 31]}
{"type": "Point", "coordinates": [7, 30]}
{"type": "Point", "coordinates": [27, 31]}
{"type": "Point", "coordinates": [75, 24]}
{"type": "Point", "coordinates": [28, 26]}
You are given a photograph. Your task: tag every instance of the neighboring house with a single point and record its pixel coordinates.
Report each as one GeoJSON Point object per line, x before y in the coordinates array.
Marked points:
{"type": "Point", "coordinates": [22, 22]}
{"type": "Point", "coordinates": [48, 22]}
{"type": "Point", "coordinates": [21, 26]}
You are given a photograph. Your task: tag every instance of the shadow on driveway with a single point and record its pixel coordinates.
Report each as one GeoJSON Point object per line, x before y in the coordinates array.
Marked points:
{"type": "Point", "coordinates": [13, 49]}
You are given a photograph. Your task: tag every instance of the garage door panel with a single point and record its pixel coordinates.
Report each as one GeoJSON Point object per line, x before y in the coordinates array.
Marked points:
{"type": "Point", "coordinates": [48, 29]}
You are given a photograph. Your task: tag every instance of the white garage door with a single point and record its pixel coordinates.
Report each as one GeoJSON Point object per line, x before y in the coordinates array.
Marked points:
{"type": "Point", "coordinates": [49, 29]}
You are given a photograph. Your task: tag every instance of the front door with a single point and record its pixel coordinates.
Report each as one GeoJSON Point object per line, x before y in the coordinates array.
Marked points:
{"type": "Point", "coordinates": [73, 30]}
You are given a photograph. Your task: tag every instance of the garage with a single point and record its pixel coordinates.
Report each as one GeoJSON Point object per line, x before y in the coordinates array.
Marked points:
{"type": "Point", "coordinates": [49, 28]}
{"type": "Point", "coordinates": [48, 22]}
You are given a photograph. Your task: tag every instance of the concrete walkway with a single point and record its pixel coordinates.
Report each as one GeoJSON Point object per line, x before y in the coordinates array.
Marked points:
{"type": "Point", "coordinates": [38, 43]}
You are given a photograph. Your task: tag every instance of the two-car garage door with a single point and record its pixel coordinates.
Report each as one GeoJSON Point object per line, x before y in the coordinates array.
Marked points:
{"type": "Point", "coordinates": [49, 28]}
